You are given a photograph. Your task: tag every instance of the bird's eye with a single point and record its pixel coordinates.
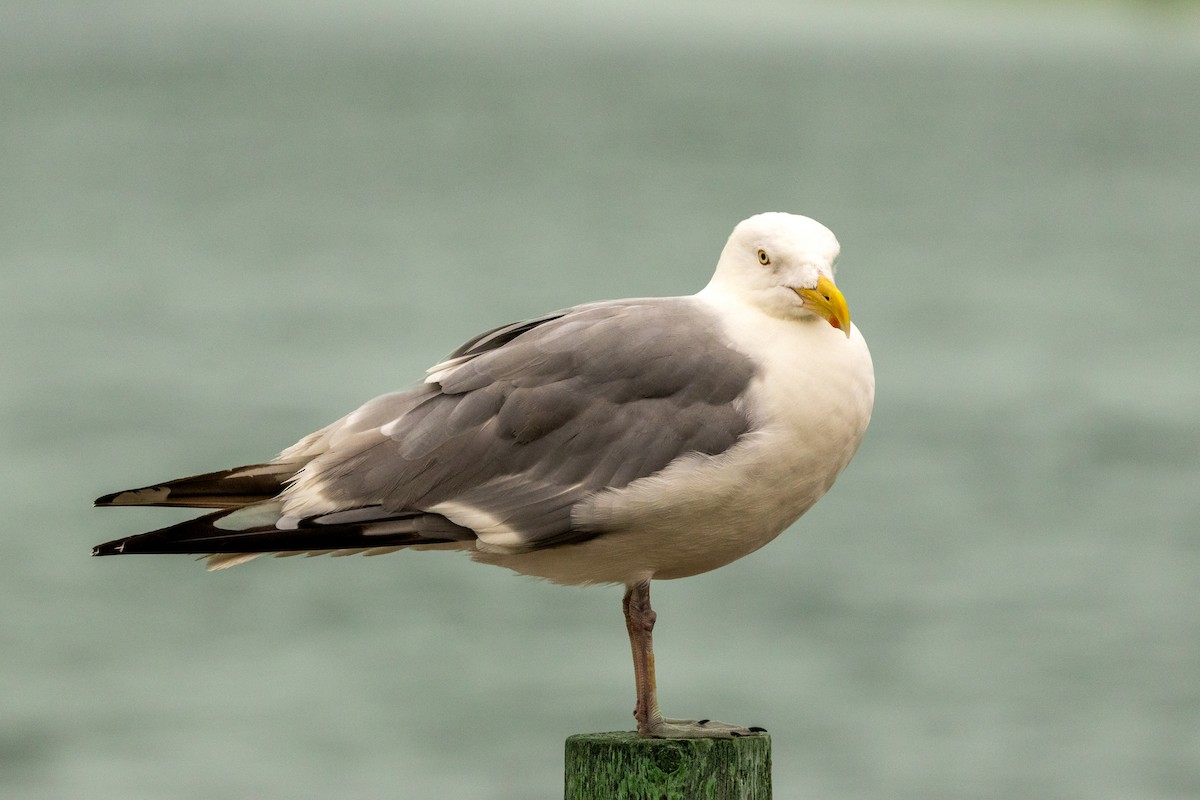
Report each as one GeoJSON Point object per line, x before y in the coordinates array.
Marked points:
{"type": "Point", "coordinates": [763, 258]}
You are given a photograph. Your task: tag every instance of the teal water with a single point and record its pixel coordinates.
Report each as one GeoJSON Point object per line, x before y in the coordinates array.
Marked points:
{"type": "Point", "coordinates": [221, 229]}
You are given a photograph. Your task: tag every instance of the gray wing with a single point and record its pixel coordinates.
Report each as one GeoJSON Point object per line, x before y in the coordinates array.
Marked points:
{"type": "Point", "coordinates": [523, 422]}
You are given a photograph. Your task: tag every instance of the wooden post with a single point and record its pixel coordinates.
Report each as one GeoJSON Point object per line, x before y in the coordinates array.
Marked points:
{"type": "Point", "coordinates": [623, 766]}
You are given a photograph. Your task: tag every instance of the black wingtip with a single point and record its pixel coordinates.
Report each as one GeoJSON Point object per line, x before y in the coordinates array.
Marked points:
{"type": "Point", "coordinates": [230, 488]}
{"type": "Point", "coordinates": [159, 495]}
{"type": "Point", "coordinates": [108, 549]}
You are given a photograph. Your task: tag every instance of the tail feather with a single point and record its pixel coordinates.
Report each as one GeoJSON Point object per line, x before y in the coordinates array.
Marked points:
{"type": "Point", "coordinates": [230, 488]}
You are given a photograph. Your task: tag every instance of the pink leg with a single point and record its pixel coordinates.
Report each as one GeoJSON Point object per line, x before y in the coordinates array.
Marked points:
{"type": "Point", "coordinates": [639, 621]}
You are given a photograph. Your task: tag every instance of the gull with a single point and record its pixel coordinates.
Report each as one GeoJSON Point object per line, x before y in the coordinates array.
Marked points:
{"type": "Point", "coordinates": [616, 442]}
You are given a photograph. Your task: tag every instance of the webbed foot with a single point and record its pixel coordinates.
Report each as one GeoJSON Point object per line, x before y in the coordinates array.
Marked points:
{"type": "Point", "coordinates": [696, 729]}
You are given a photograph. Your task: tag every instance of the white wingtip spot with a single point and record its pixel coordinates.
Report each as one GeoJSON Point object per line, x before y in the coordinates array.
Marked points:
{"type": "Point", "coordinates": [141, 497]}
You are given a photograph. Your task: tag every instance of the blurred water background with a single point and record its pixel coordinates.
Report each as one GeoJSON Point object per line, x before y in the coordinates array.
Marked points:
{"type": "Point", "coordinates": [226, 224]}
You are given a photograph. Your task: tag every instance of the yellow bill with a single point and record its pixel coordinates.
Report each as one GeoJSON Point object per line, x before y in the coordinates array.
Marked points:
{"type": "Point", "coordinates": [827, 301]}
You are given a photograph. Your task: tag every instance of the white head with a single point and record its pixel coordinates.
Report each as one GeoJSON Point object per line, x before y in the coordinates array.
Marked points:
{"type": "Point", "coordinates": [784, 265]}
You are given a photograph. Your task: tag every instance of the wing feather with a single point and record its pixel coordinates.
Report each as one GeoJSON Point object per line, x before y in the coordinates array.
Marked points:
{"type": "Point", "coordinates": [524, 422]}
{"type": "Point", "coordinates": [503, 440]}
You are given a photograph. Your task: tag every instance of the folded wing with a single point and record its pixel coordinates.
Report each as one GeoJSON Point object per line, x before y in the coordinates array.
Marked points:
{"type": "Point", "coordinates": [493, 451]}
